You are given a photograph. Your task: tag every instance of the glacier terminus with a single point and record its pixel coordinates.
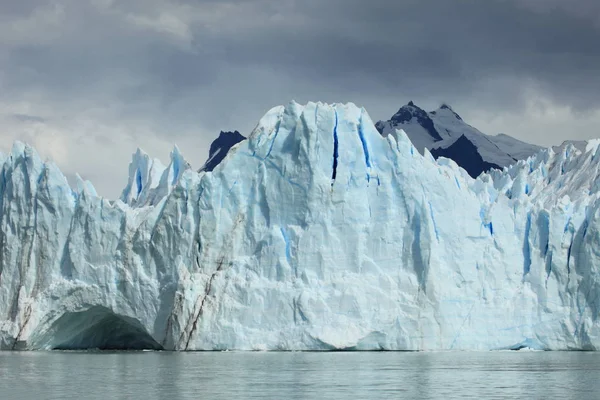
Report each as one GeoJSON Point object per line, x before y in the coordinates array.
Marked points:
{"type": "Point", "coordinates": [315, 233]}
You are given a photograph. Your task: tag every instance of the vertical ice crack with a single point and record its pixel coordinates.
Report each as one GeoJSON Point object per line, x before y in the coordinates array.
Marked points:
{"type": "Point", "coordinates": [435, 228]}
{"type": "Point", "coordinates": [548, 267]}
{"type": "Point", "coordinates": [138, 181]}
{"type": "Point", "coordinates": [335, 149]}
{"type": "Point", "coordinates": [570, 253]}
{"type": "Point", "coordinates": [544, 232]}
{"type": "Point", "coordinates": [490, 226]}
{"type": "Point", "coordinates": [527, 247]}
{"type": "Point", "coordinates": [363, 140]}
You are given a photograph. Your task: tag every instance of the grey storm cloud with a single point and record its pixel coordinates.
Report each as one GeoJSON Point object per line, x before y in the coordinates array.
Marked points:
{"type": "Point", "coordinates": [180, 71]}
{"type": "Point", "coordinates": [27, 118]}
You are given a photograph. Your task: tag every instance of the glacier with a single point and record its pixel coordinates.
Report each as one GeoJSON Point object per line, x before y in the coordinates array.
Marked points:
{"type": "Point", "coordinates": [316, 233]}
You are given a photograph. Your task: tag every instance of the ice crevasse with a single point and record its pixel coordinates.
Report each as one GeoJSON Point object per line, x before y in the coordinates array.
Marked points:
{"type": "Point", "coordinates": [316, 233]}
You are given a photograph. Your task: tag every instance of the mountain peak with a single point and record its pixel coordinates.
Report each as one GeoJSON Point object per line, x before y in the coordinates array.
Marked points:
{"type": "Point", "coordinates": [407, 112]}
{"type": "Point", "coordinates": [219, 148]}
{"type": "Point", "coordinates": [411, 114]}
{"type": "Point", "coordinates": [445, 108]}
{"type": "Point", "coordinates": [231, 134]}
{"type": "Point", "coordinates": [443, 129]}
{"type": "Point", "coordinates": [411, 104]}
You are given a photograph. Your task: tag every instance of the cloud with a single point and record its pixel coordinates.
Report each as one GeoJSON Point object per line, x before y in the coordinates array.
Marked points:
{"type": "Point", "coordinates": [98, 78]}
{"type": "Point", "coordinates": [27, 118]}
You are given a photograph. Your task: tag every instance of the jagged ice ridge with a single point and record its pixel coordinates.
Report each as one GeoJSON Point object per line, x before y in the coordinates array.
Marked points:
{"type": "Point", "coordinates": [316, 233]}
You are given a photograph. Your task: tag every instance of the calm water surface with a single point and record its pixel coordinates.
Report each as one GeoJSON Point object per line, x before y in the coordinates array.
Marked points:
{"type": "Point", "coordinates": [163, 375]}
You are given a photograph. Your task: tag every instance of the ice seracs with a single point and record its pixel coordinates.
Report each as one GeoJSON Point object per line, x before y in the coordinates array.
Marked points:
{"type": "Point", "coordinates": [315, 233]}
{"type": "Point", "coordinates": [150, 181]}
{"type": "Point", "coordinates": [144, 175]}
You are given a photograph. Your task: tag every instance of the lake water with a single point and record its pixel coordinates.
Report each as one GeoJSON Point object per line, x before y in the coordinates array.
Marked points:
{"type": "Point", "coordinates": [164, 375]}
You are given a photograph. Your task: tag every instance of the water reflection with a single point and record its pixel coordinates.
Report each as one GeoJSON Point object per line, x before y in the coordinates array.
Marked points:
{"type": "Point", "coordinates": [160, 375]}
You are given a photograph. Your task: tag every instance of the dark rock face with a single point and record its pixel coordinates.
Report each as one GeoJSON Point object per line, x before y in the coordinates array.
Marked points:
{"type": "Point", "coordinates": [408, 112]}
{"type": "Point", "coordinates": [465, 154]}
{"type": "Point", "coordinates": [379, 126]}
{"type": "Point", "coordinates": [220, 147]}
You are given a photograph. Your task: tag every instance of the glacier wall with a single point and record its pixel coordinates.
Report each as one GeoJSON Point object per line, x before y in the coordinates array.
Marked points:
{"type": "Point", "coordinates": [316, 233]}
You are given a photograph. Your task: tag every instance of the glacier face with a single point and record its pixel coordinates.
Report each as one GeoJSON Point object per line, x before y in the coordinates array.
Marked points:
{"type": "Point", "coordinates": [316, 233]}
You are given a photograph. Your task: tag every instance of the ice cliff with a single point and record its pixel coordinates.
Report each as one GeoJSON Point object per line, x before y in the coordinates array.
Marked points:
{"type": "Point", "coordinates": [316, 233]}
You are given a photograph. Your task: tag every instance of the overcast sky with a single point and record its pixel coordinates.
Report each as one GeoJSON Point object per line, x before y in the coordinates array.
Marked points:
{"type": "Point", "coordinates": [88, 81]}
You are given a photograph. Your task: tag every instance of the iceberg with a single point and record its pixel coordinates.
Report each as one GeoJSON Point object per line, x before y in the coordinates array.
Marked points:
{"type": "Point", "coordinates": [315, 233]}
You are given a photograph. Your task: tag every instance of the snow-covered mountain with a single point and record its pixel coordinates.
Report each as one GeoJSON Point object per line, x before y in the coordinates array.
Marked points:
{"type": "Point", "coordinates": [445, 134]}
{"type": "Point", "coordinates": [316, 233]}
{"type": "Point", "coordinates": [578, 144]}
{"type": "Point", "coordinates": [515, 148]}
{"type": "Point", "coordinates": [220, 147]}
